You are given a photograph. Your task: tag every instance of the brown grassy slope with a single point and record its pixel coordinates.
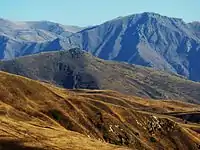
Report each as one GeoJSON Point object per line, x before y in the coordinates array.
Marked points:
{"type": "Point", "coordinates": [36, 114]}
{"type": "Point", "coordinates": [36, 134]}
{"type": "Point", "coordinates": [77, 69]}
{"type": "Point", "coordinates": [24, 126]}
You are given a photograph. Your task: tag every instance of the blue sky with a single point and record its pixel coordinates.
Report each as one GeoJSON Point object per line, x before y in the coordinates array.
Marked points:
{"type": "Point", "coordinates": [91, 12]}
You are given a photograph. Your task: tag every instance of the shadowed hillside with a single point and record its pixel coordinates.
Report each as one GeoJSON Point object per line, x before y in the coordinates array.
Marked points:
{"type": "Point", "coordinates": [75, 69]}
{"type": "Point", "coordinates": [40, 115]}
{"type": "Point", "coordinates": [146, 39]}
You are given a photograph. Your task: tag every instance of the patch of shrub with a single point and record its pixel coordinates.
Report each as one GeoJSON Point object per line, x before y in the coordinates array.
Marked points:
{"type": "Point", "coordinates": [152, 139]}
{"type": "Point", "coordinates": [56, 115]}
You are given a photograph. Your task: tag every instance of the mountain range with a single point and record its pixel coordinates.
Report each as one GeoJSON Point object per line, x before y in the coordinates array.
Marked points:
{"type": "Point", "coordinates": [146, 39]}
{"type": "Point", "coordinates": [124, 84]}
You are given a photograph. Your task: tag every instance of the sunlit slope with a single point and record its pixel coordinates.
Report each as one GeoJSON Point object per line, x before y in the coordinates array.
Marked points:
{"type": "Point", "coordinates": [39, 115]}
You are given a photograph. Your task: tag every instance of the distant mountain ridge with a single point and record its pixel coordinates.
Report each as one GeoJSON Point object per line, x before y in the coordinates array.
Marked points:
{"type": "Point", "coordinates": [24, 38]}
{"type": "Point", "coordinates": [146, 39]}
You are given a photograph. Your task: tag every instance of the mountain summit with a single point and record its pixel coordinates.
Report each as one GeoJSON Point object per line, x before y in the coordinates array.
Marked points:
{"type": "Point", "coordinates": [147, 39]}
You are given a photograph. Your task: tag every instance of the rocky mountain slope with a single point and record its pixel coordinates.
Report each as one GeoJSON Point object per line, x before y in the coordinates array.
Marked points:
{"type": "Point", "coordinates": [147, 39]}
{"type": "Point", "coordinates": [22, 38]}
{"type": "Point", "coordinates": [76, 69]}
{"type": "Point", "coordinates": [36, 115]}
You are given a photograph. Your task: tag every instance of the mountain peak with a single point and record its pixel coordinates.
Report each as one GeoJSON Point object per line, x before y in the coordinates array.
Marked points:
{"type": "Point", "coordinates": [148, 16]}
{"type": "Point", "coordinates": [147, 39]}
{"type": "Point", "coordinates": [158, 16]}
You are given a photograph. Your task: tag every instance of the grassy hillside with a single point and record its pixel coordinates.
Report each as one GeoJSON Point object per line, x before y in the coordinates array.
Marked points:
{"type": "Point", "coordinates": [40, 115]}
{"type": "Point", "coordinates": [29, 119]}
{"type": "Point", "coordinates": [76, 69]}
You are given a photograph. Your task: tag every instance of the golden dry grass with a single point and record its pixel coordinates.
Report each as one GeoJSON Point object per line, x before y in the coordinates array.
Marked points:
{"type": "Point", "coordinates": [39, 115]}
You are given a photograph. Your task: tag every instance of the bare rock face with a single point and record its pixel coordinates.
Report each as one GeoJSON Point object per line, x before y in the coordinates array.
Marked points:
{"type": "Point", "coordinates": [146, 39]}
